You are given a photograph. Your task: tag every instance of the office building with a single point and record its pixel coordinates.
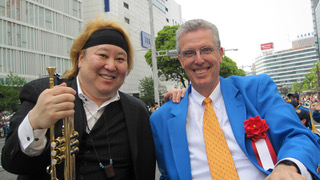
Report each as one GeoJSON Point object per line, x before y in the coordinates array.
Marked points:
{"type": "Point", "coordinates": [37, 34]}
{"type": "Point", "coordinates": [288, 66]}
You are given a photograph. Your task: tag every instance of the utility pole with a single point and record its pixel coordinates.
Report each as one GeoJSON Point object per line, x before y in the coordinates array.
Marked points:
{"type": "Point", "coordinates": [153, 53]}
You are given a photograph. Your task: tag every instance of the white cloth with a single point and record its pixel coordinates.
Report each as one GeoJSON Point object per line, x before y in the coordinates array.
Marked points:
{"type": "Point", "coordinates": [198, 158]}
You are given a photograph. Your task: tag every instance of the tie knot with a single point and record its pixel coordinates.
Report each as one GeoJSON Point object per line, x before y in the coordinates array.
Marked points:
{"type": "Point", "coordinates": [207, 100]}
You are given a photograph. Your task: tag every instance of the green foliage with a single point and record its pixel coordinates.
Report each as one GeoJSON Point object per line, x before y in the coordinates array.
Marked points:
{"type": "Point", "coordinates": [169, 67]}
{"type": "Point", "coordinates": [309, 82]}
{"type": "Point", "coordinates": [229, 68]}
{"type": "Point", "coordinates": [146, 89]}
{"type": "Point", "coordinates": [9, 92]}
{"type": "Point", "coordinates": [311, 79]}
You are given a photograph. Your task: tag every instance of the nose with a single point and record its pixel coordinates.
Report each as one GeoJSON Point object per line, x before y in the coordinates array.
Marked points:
{"type": "Point", "coordinates": [198, 58]}
{"type": "Point", "coordinates": [110, 64]}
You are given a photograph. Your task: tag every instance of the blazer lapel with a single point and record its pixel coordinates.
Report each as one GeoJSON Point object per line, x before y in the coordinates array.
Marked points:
{"type": "Point", "coordinates": [236, 111]}
{"type": "Point", "coordinates": [178, 138]}
{"type": "Point", "coordinates": [80, 119]}
{"type": "Point", "coordinates": [129, 111]}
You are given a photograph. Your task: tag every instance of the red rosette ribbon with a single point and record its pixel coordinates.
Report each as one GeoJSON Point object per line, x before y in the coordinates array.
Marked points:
{"type": "Point", "coordinates": [256, 130]}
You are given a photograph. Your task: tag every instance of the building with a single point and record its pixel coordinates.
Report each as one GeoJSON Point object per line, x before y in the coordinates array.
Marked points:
{"type": "Point", "coordinates": [37, 34]}
{"type": "Point", "coordinates": [288, 66]}
{"type": "Point", "coordinates": [134, 14]}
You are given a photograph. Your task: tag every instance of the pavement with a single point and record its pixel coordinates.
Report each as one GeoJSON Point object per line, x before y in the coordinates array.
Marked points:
{"type": "Point", "coordinates": [5, 175]}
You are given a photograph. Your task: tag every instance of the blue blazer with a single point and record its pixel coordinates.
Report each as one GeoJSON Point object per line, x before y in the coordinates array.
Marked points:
{"type": "Point", "coordinates": [244, 97]}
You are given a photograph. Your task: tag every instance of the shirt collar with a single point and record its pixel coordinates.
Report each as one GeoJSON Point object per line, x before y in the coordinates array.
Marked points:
{"type": "Point", "coordinates": [85, 99]}
{"type": "Point", "coordinates": [215, 96]}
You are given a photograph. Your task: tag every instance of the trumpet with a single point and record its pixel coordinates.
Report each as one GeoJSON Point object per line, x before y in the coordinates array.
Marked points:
{"type": "Point", "coordinates": [64, 148]}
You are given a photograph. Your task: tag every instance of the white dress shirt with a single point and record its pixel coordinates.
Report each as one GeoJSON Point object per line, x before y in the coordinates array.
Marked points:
{"type": "Point", "coordinates": [32, 142]}
{"type": "Point", "coordinates": [198, 158]}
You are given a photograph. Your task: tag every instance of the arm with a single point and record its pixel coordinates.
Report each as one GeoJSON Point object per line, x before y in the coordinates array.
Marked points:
{"type": "Point", "coordinates": [13, 158]}
{"type": "Point", "coordinates": [289, 137]}
{"type": "Point", "coordinates": [175, 94]}
{"type": "Point", "coordinates": [283, 171]}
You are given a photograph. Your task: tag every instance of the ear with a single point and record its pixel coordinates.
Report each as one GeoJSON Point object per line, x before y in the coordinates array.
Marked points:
{"type": "Point", "coordinates": [220, 54]}
{"type": "Point", "coordinates": [181, 60]}
{"type": "Point", "coordinates": [303, 121]}
{"type": "Point", "coordinates": [80, 59]}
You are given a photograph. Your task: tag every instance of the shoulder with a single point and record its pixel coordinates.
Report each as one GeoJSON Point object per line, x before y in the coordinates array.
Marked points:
{"type": "Point", "coordinates": [249, 78]}
{"type": "Point", "coordinates": [303, 107]}
{"type": "Point", "coordinates": [43, 83]}
{"type": "Point", "coordinates": [166, 110]}
{"type": "Point", "coordinates": [126, 98]}
{"type": "Point", "coordinates": [248, 82]}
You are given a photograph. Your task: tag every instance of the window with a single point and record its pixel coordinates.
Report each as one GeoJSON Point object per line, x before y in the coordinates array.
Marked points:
{"type": "Point", "coordinates": [48, 17]}
{"type": "Point", "coordinates": [167, 19]}
{"type": "Point", "coordinates": [127, 20]}
{"type": "Point", "coordinates": [2, 8]}
{"type": "Point", "coordinates": [159, 5]}
{"type": "Point", "coordinates": [23, 37]}
{"type": "Point", "coordinates": [75, 8]}
{"type": "Point", "coordinates": [9, 30]}
{"type": "Point", "coordinates": [41, 17]}
{"type": "Point", "coordinates": [125, 5]}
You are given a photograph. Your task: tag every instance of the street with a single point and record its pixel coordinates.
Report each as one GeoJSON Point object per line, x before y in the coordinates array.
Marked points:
{"type": "Point", "coordinates": [4, 175]}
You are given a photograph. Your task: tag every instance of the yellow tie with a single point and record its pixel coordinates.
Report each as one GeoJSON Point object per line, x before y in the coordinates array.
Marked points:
{"type": "Point", "coordinates": [219, 157]}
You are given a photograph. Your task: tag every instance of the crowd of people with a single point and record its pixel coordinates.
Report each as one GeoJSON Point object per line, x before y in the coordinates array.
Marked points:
{"type": "Point", "coordinates": [4, 123]}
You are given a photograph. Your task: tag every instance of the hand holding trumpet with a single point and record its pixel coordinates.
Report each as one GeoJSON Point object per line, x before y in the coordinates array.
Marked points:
{"type": "Point", "coordinates": [53, 104]}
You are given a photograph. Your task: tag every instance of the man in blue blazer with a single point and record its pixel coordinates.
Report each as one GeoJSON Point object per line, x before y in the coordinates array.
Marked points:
{"type": "Point", "coordinates": [177, 128]}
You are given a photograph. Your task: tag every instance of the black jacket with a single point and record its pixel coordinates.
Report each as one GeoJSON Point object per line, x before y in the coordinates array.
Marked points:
{"type": "Point", "coordinates": [136, 118]}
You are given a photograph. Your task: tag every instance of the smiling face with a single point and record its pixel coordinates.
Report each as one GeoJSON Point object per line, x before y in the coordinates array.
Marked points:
{"type": "Point", "coordinates": [202, 70]}
{"type": "Point", "coordinates": [102, 71]}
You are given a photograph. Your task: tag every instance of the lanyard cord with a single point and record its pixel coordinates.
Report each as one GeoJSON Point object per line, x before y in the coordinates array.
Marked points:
{"type": "Point", "coordinates": [106, 126]}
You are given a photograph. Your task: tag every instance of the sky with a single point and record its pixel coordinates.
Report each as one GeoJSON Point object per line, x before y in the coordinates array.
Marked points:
{"type": "Point", "coordinates": [246, 24]}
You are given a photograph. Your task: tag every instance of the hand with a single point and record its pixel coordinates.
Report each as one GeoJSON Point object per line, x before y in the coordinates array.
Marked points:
{"type": "Point", "coordinates": [283, 172]}
{"type": "Point", "coordinates": [53, 104]}
{"type": "Point", "coordinates": [317, 106]}
{"type": "Point", "coordinates": [175, 94]}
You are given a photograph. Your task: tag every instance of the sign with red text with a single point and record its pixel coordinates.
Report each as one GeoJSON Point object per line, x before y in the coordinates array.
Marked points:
{"type": "Point", "coordinates": [267, 46]}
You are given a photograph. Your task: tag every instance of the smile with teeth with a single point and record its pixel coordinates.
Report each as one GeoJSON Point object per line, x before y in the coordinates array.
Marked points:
{"type": "Point", "coordinates": [201, 71]}
{"type": "Point", "coordinates": [107, 77]}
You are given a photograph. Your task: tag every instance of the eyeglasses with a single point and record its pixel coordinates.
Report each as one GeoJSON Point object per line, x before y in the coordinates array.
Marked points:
{"type": "Point", "coordinates": [191, 53]}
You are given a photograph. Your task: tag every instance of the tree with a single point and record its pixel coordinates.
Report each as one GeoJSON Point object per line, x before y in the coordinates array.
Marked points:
{"type": "Point", "coordinates": [146, 90]}
{"type": "Point", "coordinates": [309, 82]}
{"type": "Point", "coordinates": [229, 68]}
{"type": "Point", "coordinates": [311, 79]}
{"type": "Point", "coordinates": [169, 67]}
{"type": "Point", "coordinates": [9, 92]}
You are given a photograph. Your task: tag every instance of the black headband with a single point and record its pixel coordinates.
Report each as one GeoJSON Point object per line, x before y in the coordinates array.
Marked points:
{"type": "Point", "coordinates": [107, 36]}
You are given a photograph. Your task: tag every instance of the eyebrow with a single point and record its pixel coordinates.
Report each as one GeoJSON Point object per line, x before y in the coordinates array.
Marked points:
{"type": "Point", "coordinates": [106, 49]}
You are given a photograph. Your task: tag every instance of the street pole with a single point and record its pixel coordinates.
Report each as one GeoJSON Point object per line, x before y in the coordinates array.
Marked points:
{"type": "Point", "coordinates": [153, 53]}
{"type": "Point", "coordinates": [313, 5]}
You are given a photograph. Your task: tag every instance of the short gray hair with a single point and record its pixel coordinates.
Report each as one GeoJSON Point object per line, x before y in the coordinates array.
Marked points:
{"type": "Point", "coordinates": [196, 24]}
